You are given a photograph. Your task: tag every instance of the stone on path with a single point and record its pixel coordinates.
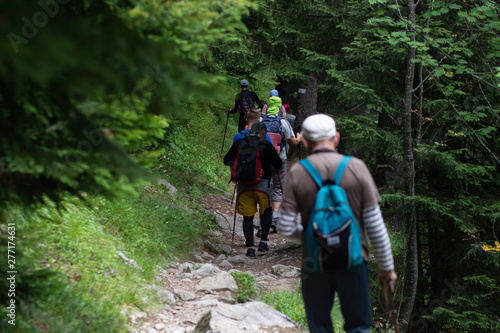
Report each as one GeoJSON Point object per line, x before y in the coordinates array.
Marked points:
{"type": "Point", "coordinates": [247, 317]}
{"type": "Point", "coordinates": [286, 271]}
{"type": "Point", "coordinates": [239, 259]}
{"type": "Point", "coordinates": [225, 264]}
{"type": "Point", "coordinates": [206, 270]}
{"type": "Point", "coordinates": [222, 281]}
{"type": "Point", "coordinates": [185, 295]}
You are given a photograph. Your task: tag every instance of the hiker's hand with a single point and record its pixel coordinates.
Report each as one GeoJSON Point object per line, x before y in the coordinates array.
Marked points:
{"type": "Point", "coordinates": [299, 137]}
{"type": "Point", "coordinates": [228, 110]}
{"type": "Point", "coordinates": [388, 277]}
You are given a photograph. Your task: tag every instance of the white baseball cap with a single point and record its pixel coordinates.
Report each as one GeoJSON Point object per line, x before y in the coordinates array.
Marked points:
{"type": "Point", "coordinates": [318, 127]}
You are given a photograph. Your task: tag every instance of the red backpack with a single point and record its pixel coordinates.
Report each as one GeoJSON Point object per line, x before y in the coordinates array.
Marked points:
{"type": "Point", "coordinates": [247, 168]}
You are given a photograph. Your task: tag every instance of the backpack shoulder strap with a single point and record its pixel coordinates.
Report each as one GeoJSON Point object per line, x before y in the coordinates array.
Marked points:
{"type": "Point", "coordinates": [315, 175]}
{"type": "Point", "coordinates": [340, 169]}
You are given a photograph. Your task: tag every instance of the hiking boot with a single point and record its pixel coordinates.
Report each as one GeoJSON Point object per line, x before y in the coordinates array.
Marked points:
{"type": "Point", "coordinates": [273, 229]}
{"type": "Point", "coordinates": [263, 247]}
{"type": "Point", "coordinates": [251, 252]}
{"type": "Point", "coordinates": [259, 232]}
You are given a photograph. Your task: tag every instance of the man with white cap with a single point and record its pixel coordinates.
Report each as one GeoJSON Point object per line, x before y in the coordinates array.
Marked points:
{"type": "Point", "coordinates": [244, 101]}
{"type": "Point", "coordinates": [321, 139]}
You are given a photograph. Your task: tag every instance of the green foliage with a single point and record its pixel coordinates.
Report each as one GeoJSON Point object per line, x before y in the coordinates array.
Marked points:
{"type": "Point", "coordinates": [152, 227]}
{"type": "Point", "coordinates": [246, 286]}
{"type": "Point", "coordinates": [96, 82]}
{"type": "Point", "coordinates": [191, 151]}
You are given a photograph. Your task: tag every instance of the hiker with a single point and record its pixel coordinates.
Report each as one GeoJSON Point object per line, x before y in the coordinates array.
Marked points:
{"type": "Point", "coordinates": [244, 101]}
{"type": "Point", "coordinates": [252, 117]}
{"type": "Point", "coordinates": [288, 115]}
{"type": "Point", "coordinates": [275, 103]}
{"type": "Point", "coordinates": [282, 134]}
{"type": "Point", "coordinates": [352, 285]}
{"type": "Point", "coordinates": [248, 197]}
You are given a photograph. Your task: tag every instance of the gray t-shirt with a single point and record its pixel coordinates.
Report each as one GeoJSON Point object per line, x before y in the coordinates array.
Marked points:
{"type": "Point", "coordinates": [287, 134]}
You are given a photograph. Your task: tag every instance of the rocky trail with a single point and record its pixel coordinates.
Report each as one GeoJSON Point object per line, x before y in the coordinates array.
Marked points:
{"type": "Point", "coordinates": [199, 295]}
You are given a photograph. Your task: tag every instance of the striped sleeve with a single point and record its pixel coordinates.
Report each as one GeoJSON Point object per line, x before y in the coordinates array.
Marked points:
{"type": "Point", "coordinates": [289, 228]}
{"type": "Point", "coordinates": [379, 238]}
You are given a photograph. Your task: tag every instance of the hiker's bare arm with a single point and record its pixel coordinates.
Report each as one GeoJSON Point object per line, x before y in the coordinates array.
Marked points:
{"type": "Point", "coordinates": [295, 140]}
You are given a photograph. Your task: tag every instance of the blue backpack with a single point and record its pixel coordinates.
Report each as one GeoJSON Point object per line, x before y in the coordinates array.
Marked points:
{"type": "Point", "coordinates": [273, 124]}
{"type": "Point", "coordinates": [332, 235]}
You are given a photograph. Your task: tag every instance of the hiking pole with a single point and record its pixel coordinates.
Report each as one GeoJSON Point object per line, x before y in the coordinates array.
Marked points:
{"type": "Point", "coordinates": [389, 302]}
{"type": "Point", "coordinates": [232, 199]}
{"type": "Point", "coordinates": [234, 223]}
{"type": "Point", "coordinates": [225, 130]}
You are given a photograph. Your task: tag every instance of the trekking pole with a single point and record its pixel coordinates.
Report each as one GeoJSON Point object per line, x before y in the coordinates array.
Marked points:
{"type": "Point", "coordinates": [389, 302]}
{"type": "Point", "coordinates": [232, 199]}
{"type": "Point", "coordinates": [234, 223]}
{"type": "Point", "coordinates": [225, 130]}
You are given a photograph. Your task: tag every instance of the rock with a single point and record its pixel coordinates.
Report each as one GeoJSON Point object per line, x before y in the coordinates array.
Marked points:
{"type": "Point", "coordinates": [185, 295]}
{"type": "Point", "coordinates": [186, 267]}
{"type": "Point", "coordinates": [161, 271]}
{"type": "Point", "coordinates": [199, 258]}
{"type": "Point", "coordinates": [216, 233]}
{"type": "Point", "coordinates": [137, 315]}
{"type": "Point", "coordinates": [247, 317]}
{"type": "Point", "coordinates": [267, 278]}
{"type": "Point", "coordinates": [226, 264]}
{"type": "Point", "coordinates": [205, 302]}
{"type": "Point", "coordinates": [239, 259]}
{"type": "Point", "coordinates": [287, 245]}
{"type": "Point", "coordinates": [160, 327]}
{"type": "Point", "coordinates": [128, 261]}
{"type": "Point", "coordinates": [286, 271]}
{"type": "Point", "coordinates": [166, 296]}
{"type": "Point", "coordinates": [163, 295]}
{"type": "Point", "coordinates": [206, 270]}
{"type": "Point", "coordinates": [221, 257]}
{"type": "Point", "coordinates": [221, 281]}
{"type": "Point", "coordinates": [225, 249]}
{"type": "Point", "coordinates": [209, 246]}
{"type": "Point", "coordinates": [207, 256]}
{"type": "Point", "coordinates": [171, 189]}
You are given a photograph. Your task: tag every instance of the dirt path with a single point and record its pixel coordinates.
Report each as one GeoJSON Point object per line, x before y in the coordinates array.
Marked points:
{"type": "Point", "coordinates": [180, 287]}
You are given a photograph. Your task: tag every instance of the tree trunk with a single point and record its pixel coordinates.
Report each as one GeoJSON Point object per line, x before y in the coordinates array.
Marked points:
{"type": "Point", "coordinates": [410, 277]}
{"type": "Point", "coordinates": [308, 99]}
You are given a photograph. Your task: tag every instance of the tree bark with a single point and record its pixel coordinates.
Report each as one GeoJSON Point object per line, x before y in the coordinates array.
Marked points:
{"type": "Point", "coordinates": [410, 277]}
{"type": "Point", "coordinates": [308, 100]}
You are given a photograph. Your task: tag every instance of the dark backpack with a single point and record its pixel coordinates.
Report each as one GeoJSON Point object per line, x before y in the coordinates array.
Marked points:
{"type": "Point", "coordinates": [247, 168]}
{"type": "Point", "coordinates": [332, 235]}
{"type": "Point", "coordinates": [273, 124]}
{"type": "Point", "coordinates": [247, 103]}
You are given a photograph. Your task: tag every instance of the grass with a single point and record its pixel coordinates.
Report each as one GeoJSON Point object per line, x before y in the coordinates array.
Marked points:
{"type": "Point", "coordinates": [72, 279]}
{"type": "Point", "coordinates": [246, 286]}
{"type": "Point", "coordinates": [290, 303]}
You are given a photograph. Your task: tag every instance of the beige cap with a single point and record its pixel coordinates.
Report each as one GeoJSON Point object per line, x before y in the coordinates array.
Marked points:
{"type": "Point", "coordinates": [318, 127]}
